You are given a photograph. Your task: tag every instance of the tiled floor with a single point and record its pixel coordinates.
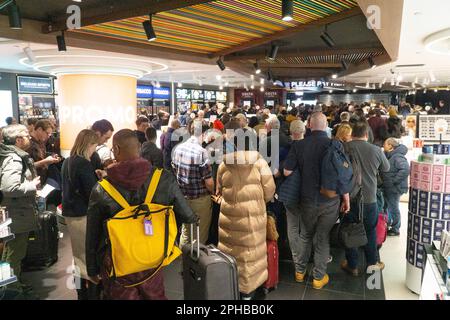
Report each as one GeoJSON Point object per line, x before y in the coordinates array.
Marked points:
{"type": "Point", "coordinates": [55, 282]}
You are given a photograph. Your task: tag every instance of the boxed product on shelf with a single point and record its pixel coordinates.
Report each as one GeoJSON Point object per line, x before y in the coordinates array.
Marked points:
{"type": "Point", "coordinates": [427, 223]}
{"type": "Point", "coordinates": [410, 225]}
{"type": "Point", "coordinates": [435, 158]}
{"type": "Point", "coordinates": [435, 214]}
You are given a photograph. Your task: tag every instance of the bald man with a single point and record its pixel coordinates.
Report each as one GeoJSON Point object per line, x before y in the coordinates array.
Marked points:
{"type": "Point", "coordinates": [318, 213]}
{"type": "Point", "coordinates": [131, 176]}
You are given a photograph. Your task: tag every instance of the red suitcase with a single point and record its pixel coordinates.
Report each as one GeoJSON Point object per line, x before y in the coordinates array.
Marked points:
{"type": "Point", "coordinates": [272, 266]}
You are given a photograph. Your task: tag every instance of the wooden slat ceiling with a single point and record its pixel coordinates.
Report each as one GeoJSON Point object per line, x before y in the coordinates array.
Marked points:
{"type": "Point", "coordinates": [212, 27]}
{"type": "Point", "coordinates": [334, 58]}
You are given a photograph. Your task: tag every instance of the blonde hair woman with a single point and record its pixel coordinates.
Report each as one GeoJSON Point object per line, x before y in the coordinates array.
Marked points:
{"type": "Point", "coordinates": [78, 179]}
{"type": "Point", "coordinates": [344, 133]}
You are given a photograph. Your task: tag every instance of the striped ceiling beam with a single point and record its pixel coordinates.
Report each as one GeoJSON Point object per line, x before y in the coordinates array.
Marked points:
{"type": "Point", "coordinates": [220, 25]}
{"type": "Point", "coordinates": [124, 10]}
{"type": "Point", "coordinates": [356, 11]}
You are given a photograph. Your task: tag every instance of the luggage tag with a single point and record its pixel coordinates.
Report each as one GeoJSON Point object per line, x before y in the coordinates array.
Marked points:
{"type": "Point", "coordinates": [148, 227]}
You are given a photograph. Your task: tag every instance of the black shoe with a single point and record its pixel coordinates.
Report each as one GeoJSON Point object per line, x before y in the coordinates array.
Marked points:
{"type": "Point", "coordinates": [393, 233]}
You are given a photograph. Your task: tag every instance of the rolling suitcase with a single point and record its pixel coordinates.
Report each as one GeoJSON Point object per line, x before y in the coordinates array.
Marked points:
{"type": "Point", "coordinates": [208, 273]}
{"type": "Point", "coordinates": [272, 266]}
{"type": "Point", "coordinates": [42, 249]}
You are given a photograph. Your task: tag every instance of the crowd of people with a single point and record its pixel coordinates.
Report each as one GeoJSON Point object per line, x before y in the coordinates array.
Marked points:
{"type": "Point", "coordinates": [224, 174]}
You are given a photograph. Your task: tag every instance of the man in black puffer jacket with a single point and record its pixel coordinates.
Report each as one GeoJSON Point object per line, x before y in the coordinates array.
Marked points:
{"type": "Point", "coordinates": [131, 176]}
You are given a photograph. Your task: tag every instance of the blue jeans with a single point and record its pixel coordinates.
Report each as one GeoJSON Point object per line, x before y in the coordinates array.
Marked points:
{"type": "Point", "coordinates": [370, 220]}
{"type": "Point", "coordinates": [393, 200]}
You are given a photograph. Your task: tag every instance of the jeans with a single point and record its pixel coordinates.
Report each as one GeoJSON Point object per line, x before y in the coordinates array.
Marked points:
{"type": "Point", "coordinates": [14, 252]}
{"type": "Point", "coordinates": [293, 232]}
{"type": "Point", "coordinates": [316, 222]}
{"type": "Point", "coordinates": [370, 221]}
{"type": "Point", "coordinates": [392, 201]}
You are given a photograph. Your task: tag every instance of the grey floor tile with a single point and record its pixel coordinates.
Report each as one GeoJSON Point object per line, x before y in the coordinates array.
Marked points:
{"type": "Point", "coordinates": [323, 294]}
{"type": "Point", "coordinates": [287, 291]}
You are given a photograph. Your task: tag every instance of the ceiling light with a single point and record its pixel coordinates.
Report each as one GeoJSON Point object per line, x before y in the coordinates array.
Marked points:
{"type": "Point", "coordinates": [344, 65]}
{"type": "Point", "coordinates": [384, 81]}
{"type": "Point", "coordinates": [200, 83]}
{"type": "Point", "coordinates": [148, 28]}
{"type": "Point", "coordinates": [399, 77]}
{"type": "Point", "coordinates": [262, 89]}
{"type": "Point", "coordinates": [334, 76]}
{"type": "Point", "coordinates": [425, 91]}
{"type": "Point", "coordinates": [380, 85]}
{"type": "Point", "coordinates": [158, 85]}
{"type": "Point", "coordinates": [392, 82]}
{"type": "Point", "coordinates": [355, 90]}
{"type": "Point", "coordinates": [448, 88]}
{"type": "Point", "coordinates": [435, 90]}
{"type": "Point", "coordinates": [252, 77]}
{"type": "Point", "coordinates": [227, 84]}
{"type": "Point", "coordinates": [331, 91]}
{"type": "Point", "coordinates": [270, 75]}
{"type": "Point", "coordinates": [15, 18]}
{"type": "Point", "coordinates": [30, 55]}
{"type": "Point", "coordinates": [221, 64]}
{"type": "Point", "coordinates": [262, 81]}
{"type": "Point", "coordinates": [61, 42]}
{"type": "Point", "coordinates": [273, 52]}
{"type": "Point", "coordinates": [179, 85]}
{"type": "Point", "coordinates": [287, 10]}
{"type": "Point", "coordinates": [327, 38]}
{"type": "Point", "coordinates": [257, 68]}
{"type": "Point", "coordinates": [218, 77]}
{"type": "Point", "coordinates": [438, 43]}
{"type": "Point", "coordinates": [367, 84]}
{"type": "Point", "coordinates": [221, 87]}
{"type": "Point", "coordinates": [416, 80]}
{"type": "Point", "coordinates": [252, 86]}
{"type": "Point", "coordinates": [372, 63]}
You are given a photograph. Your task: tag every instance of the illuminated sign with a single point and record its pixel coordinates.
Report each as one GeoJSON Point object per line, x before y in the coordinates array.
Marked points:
{"type": "Point", "coordinates": [34, 85]}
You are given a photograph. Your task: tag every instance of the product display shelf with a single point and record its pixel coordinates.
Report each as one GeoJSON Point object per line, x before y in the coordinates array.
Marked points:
{"type": "Point", "coordinates": [5, 239]}
{"type": "Point", "coordinates": [429, 215]}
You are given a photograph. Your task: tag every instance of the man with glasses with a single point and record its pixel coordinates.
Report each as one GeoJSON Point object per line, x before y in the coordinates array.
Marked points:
{"type": "Point", "coordinates": [18, 184]}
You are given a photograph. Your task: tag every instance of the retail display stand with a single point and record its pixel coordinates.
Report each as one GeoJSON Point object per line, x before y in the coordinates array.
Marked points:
{"type": "Point", "coordinates": [5, 236]}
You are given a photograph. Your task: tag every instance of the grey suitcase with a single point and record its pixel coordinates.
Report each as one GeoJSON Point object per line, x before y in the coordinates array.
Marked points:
{"type": "Point", "coordinates": [208, 273]}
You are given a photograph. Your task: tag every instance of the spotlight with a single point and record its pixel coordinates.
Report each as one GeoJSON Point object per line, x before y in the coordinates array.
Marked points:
{"type": "Point", "coordinates": [392, 82]}
{"type": "Point", "coordinates": [179, 85]}
{"type": "Point", "coordinates": [221, 64]}
{"type": "Point", "coordinates": [425, 91]}
{"type": "Point", "coordinates": [221, 87]}
{"type": "Point", "coordinates": [15, 18]}
{"type": "Point", "coordinates": [432, 77]}
{"type": "Point", "coordinates": [262, 81]}
{"type": "Point", "coordinates": [158, 85]}
{"type": "Point", "coordinates": [355, 90]}
{"type": "Point", "coordinates": [227, 84]}
{"type": "Point", "coordinates": [367, 85]}
{"type": "Point", "coordinates": [30, 55]}
{"type": "Point", "coordinates": [344, 65]}
{"type": "Point", "coordinates": [331, 91]}
{"type": "Point", "coordinates": [149, 31]}
{"type": "Point", "coordinates": [334, 76]}
{"type": "Point", "coordinates": [200, 83]}
{"type": "Point", "coordinates": [257, 68]}
{"type": "Point", "coordinates": [399, 77]}
{"type": "Point", "coordinates": [435, 90]}
{"type": "Point", "coordinates": [252, 86]}
{"type": "Point", "coordinates": [372, 63]}
{"type": "Point", "coordinates": [287, 10]}
{"type": "Point", "coordinates": [252, 77]}
{"type": "Point", "coordinates": [327, 38]}
{"type": "Point", "coordinates": [273, 52]}
{"type": "Point", "coordinates": [384, 81]}
{"type": "Point", "coordinates": [262, 89]}
{"type": "Point", "coordinates": [61, 42]}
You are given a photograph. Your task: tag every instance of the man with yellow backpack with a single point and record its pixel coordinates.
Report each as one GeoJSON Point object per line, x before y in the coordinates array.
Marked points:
{"type": "Point", "coordinates": [132, 224]}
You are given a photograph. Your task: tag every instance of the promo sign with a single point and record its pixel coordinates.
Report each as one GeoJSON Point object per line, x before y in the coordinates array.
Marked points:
{"type": "Point", "coordinates": [34, 85]}
{"type": "Point", "coordinates": [144, 92]}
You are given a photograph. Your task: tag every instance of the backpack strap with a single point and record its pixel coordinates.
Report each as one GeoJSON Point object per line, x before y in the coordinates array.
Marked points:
{"type": "Point", "coordinates": [109, 189]}
{"type": "Point", "coordinates": [153, 185]}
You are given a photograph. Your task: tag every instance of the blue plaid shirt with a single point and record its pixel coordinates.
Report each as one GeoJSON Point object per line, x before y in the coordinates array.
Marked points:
{"type": "Point", "coordinates": [191, 164]}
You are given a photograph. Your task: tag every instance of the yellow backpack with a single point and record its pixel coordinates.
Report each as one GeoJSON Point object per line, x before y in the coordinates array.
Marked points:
{"type": "Point", "coordinates": [142, 237]}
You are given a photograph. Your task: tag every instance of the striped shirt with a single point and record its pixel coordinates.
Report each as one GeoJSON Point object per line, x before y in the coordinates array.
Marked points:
{"type": "Point", "coordinates": [191, 164]}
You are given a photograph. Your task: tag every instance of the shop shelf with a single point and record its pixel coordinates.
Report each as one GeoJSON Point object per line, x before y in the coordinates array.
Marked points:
{"type": "Point", "coordinates": [8, 281]}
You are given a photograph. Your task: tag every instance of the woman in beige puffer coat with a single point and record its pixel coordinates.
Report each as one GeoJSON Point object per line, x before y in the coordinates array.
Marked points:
{"type": "Point", "coordinates": [246, 186]}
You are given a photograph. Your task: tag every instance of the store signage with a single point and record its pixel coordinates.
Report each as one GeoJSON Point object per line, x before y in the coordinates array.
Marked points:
{"type": "Point", "coordinates": [247, 94]}
{"type": "Point", "coordinates": [271, 94]}
{"type": "Point", "coordinates": [34, 85]}
{"type": "Point", "coordinates": [144, 92]}
{"type": "Point", "coordinates": [162, 93]}
{"type": "Point", "coordinates": [197, 94]}
{"type": "Point", "coordinates": [312, 85]}
{"type": "Point", "coordinates": [183, 94]}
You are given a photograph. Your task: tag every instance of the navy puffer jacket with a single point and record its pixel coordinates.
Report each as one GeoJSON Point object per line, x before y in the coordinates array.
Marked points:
{"type": "Point", "coordinates": [396, 180]}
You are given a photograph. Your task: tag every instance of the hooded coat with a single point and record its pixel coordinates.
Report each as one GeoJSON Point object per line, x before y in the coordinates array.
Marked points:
{"type": "Point", "coordinates": [245, 189]}
{"type": "Point", "coordinates": [396, 179]}
{"type": "Point", "coordinates": [17, 188]}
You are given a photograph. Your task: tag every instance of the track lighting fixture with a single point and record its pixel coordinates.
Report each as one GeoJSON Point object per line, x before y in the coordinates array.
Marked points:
{"type": "Point", "coordinates": [257, 68]}
{"type": "Point", "coordinates": [327, 38]}
{"type": "Point", "coordinates": [287, 10]}
{"type": "Point", "coordinates": [61, 42]}
{"type": "Point", "coordinates": [344, 64]}
{"type": "Point", "coordinates": [220, 63]}
{"type": "Point", "coordinates": [15, 18]}
{"type": "Point", "coordinates": [372, 63]}
{"type": "Point", "coordinates": [273, 52]}
{"type": "Point", "coordinates": [148, 28]}
{"type": "Point", "coordinates": [30, 55]}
